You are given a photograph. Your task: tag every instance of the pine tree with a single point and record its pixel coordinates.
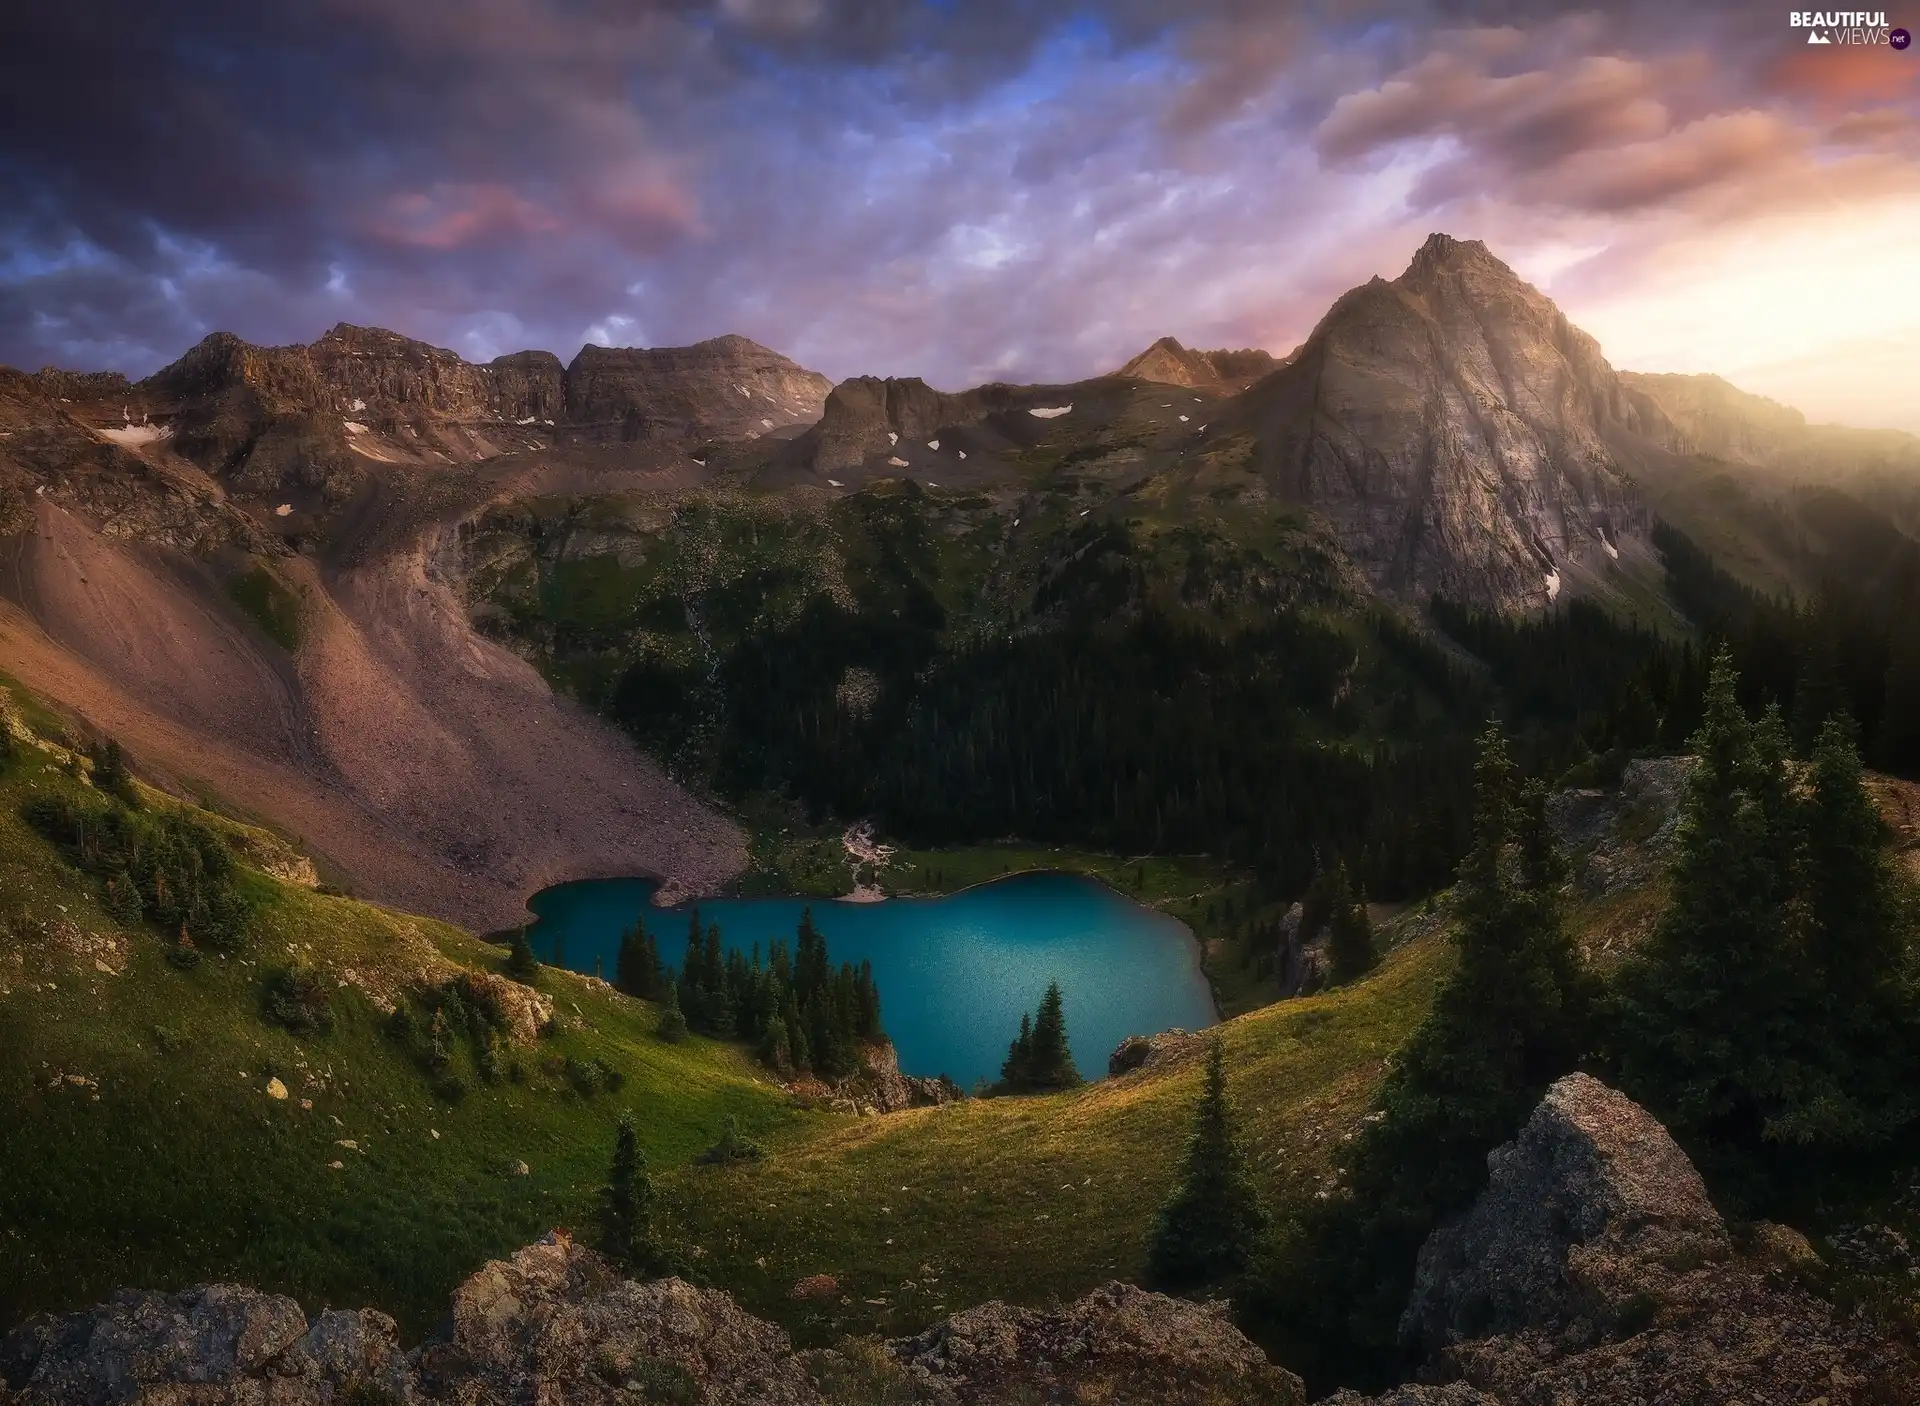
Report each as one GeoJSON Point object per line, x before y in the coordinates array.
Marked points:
{"type": "Point", "coordinates": [1350, 946]}
{"type": "Point", "coordinates": [1705, 1018]}
{"type": "Point", "coordinates": [1209, 1232]}
{"type": "Point", "coordinates": [1049, 1060]}
{"type": "Point", "coordinates": [1015, 1073]}
{"type": "Point", "coordinates": [776, 1050]}
{"type": "Point", "coordinates": [521, 964]}
{"type": "Point", "coordinates": [1510, 1019]}
{"type": "Point", "coordinates": [637, 970]}
{"type": "Point", "coordinates": [673, 1021]}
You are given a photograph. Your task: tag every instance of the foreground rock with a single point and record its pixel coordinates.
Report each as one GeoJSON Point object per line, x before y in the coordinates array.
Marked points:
{"type": "Point", "coordinates": [556, 1324]}
{"type": "Point", "coordinates": [1594, 1269]}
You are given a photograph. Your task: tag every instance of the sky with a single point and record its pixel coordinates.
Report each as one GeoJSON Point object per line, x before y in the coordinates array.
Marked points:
{"type": "Point", "coordinates": [963, 190]}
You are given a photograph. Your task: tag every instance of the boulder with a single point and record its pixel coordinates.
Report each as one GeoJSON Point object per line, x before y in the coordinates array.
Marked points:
{"type": "Point", "coordinates": [1152, 1052]}
{"type": "Point", "coordinates": [1589, 1211]}
{"type": "Point", "coordinates": [880, 1087]}
{"type": "Point", "coordinates": [1119, 1344]}
{"type": "Point", "coordinates": [1593, 1269]}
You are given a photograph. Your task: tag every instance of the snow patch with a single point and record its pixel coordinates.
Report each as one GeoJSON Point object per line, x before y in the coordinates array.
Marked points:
{"type": "Point", "coordinates": [896, 463]}
{"type": "Point", "coordinates": [933, 444]}
{"type": "Point", "coordinates": [1612, 550]}
{"type": "Point", "coordinates": [892, 438]}
{"type": "Point", "coordinates": [530, 420]}
{"type": "Point", "coordinates": [932, 484]}
{"type": "Point", "coordinates": [836, 483]}
{"type": "Point", "coordinates": [1553, 585]}
{"type": "Point", "coordinates": [767, 423]}
{"type": "Point", "coordinates": [963, 453]}
{"type": "Point", "coordinates": [1052, 412]}
{"type": "Point", "coordinates": [358, 404]}
{"type": "Point", "coordinates": [284, 510]}
{"type": "Point", "coordinates": [1016, 522]}
{"type": "Point", "coordinates": [701, 462]}
{"type": "Point", "coordinates": [1183, 419]}
{"type": "Point", "coordinates": [355, 427]}
{"type": "Point", "coordinates": [133, 436]}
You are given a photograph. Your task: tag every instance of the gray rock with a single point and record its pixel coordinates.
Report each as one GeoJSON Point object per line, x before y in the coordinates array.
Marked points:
{"type": "Point", "coordinates": [1119, 1345]}
{"type": "Point", "coordinates": [1586, 1215]}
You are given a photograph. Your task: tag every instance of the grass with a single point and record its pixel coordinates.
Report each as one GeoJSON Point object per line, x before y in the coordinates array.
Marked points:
{"type": "Point", "coordinates": [1036, 1199]}
{"type": "Point", "coordinates": [144, 1148]}
{"type": "Point", "coordinates": [269, 603]}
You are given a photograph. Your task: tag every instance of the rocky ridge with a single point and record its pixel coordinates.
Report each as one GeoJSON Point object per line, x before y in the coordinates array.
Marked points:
{"type": "Point", "coordinates": [1167, 362]}
{"type": "Point", "coordinates": [556, 1323]}
{"type": "Point", "coordinates": [1463, 437]}
{"type": "Point", "coordinates": [1594, 1269]}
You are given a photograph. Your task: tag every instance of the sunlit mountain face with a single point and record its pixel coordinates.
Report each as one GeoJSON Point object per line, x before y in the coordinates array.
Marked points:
{"type": "Point", "coordinates": [996, 189]}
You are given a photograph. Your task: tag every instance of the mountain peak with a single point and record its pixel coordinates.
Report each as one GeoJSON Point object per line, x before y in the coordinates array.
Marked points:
{"type": "Point", "coordinates": [1169, 363]}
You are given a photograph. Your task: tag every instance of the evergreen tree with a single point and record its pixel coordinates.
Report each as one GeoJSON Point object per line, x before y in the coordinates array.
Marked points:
{"type": "Point", "coordinates": [1208, 1233]}
{"type": "Point", "coordinates": [776, 1050]}
{"type": "Point", "coordinates": [637, 971]}
{"type": "Point", "coordinates": [1706, 1015]}
{"type": "Point", "coordinates": [1015, 1072]}
{"type": "Point", "coordinates": [521, 964]}
{"type": "Point", "coordinates": [673, 1021]}
{"type": "Point", "coordinates": [1349, 931]}
{"type": "Point", "coordinates": [626, 1200]}
{"type": "Point", "coordinates": [1049, 1061]}
{"type": "Point", "coordinates": [1510, 1019]}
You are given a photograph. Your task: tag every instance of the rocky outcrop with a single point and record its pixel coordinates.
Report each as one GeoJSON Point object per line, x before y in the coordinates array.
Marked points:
{"type": "Point", "coordinates": [1152, 1053]}
{"type": "Point", "coordinates": [1460, 434]}
{"type": "Point", "coordinates": [1168, 363]}
{"type": "Point", "coordinates": [1300, 957]}
{"type": "Point", "coordinates": [880, 1087]}
{"type": "Point", "coordinates": [555, 1323]}
{"type": "Point", "coordinates": [1623, 838]}
{"type": "Point", "coordinates": [205, 1347]}
{"type": "Point", "coordinates": [1118, 1344]}
{"type": "Point", "coordinates": [725, 388]}
{"type": "Point", "coordinates": [1594, 1269]}
{"type": "Point", "coordinates": [1590, 1210]}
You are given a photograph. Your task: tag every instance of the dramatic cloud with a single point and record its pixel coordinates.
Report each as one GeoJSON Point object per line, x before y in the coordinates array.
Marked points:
{"type": "Point", "coordinates": [960, 189]}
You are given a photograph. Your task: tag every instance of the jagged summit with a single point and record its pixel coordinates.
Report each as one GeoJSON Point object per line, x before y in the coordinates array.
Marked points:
{"type": "Point", "coordinates": [1463, 437]}
{"type": "Point", "coordinates": [1167, 362]}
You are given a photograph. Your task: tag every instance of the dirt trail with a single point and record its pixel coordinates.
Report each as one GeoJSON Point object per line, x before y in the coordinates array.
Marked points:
{"type": "Point", "coordinates": [434, 770]}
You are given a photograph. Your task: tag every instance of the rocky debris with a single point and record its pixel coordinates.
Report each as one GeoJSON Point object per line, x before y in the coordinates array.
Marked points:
{"type": "Point", "coordinates": [1583, 1215]}
{"type": "Point", "coordinates": [815, 1286]}
{"type": "Point", "coordinates": [556, 1323]}
{"type": "Point", "coordinates": [724, 388]}
{"type": "Point", "coordinates": [1593, 1268]}
{"type": "Point", "coordinates": [1150, 1053]}
{"type": "Point", "coordinates": [881, 1088]}
{"type": "Point", "coordinates": [520, 1012]}
{"type": "Point", "coordinates": [1118, 1344]}
{"type": "Point", "coordinates": [1460, 434]}
{"type": "Point", "coordinates": [207, 1346]}
{"type": "Point", "coordinates": [1166, 362]}
{"type": "Point", "coordinates": [1622, 839]}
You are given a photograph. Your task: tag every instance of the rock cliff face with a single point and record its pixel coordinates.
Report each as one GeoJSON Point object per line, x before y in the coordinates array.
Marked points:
{"type": "Point", "coordinates": [1461, 434]}
{"type": "Point", "coordinates": [1166, 362]}
{"type": "Point", "coordinates": [726, 388]}
{"type": "Point", "coordinates": [555, 1323]}
{"type": "Point", "coordinates": [866, 417]}
{"type": "Point", "coordinates": [1593, 1269]}
{"type": "Point", "coordinates": [1722, 421]}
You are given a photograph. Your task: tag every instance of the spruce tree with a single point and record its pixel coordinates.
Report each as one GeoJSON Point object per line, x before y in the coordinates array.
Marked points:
{"type": "Point", "coordinates": [1049, 1060]}
{"type": "Point", "coordinates": [1016, 1072]}
{"type": "Point", "coordinates": [1209, 1232]}
{"type": "Point", "coordinates": [521, 964]}
{"type": "Point", "coordinates": [637, 970]}
{"type": "Point", "coordinates": [1350, 946]}
{"type": "Point", "coordinates": [776, 1050]}
{"type": "Point", "coordinates": [673, 1021]}
{"type": "Point", "coordinates": [1509, 1020]}
{"type": "Point", "coordinates": [1706, 1014]}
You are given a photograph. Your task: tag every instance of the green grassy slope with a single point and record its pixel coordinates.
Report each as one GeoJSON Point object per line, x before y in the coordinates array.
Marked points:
{"type": "Point", "coordinates": [143, 1146]}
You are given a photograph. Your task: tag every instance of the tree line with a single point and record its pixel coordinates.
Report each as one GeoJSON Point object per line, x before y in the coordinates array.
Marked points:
{"type": "Point", "coordinates": [799, 1012]}
{"type": "Point", "coordinates": [1770, 1021]}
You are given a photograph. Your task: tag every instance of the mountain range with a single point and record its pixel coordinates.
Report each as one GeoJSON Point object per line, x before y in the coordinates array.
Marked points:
{"type": "Point", "coordinates": [296, 577]}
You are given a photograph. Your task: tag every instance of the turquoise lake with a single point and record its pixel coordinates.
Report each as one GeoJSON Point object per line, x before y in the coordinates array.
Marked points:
{"type": "Point", "coordinates": [955, 973]}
